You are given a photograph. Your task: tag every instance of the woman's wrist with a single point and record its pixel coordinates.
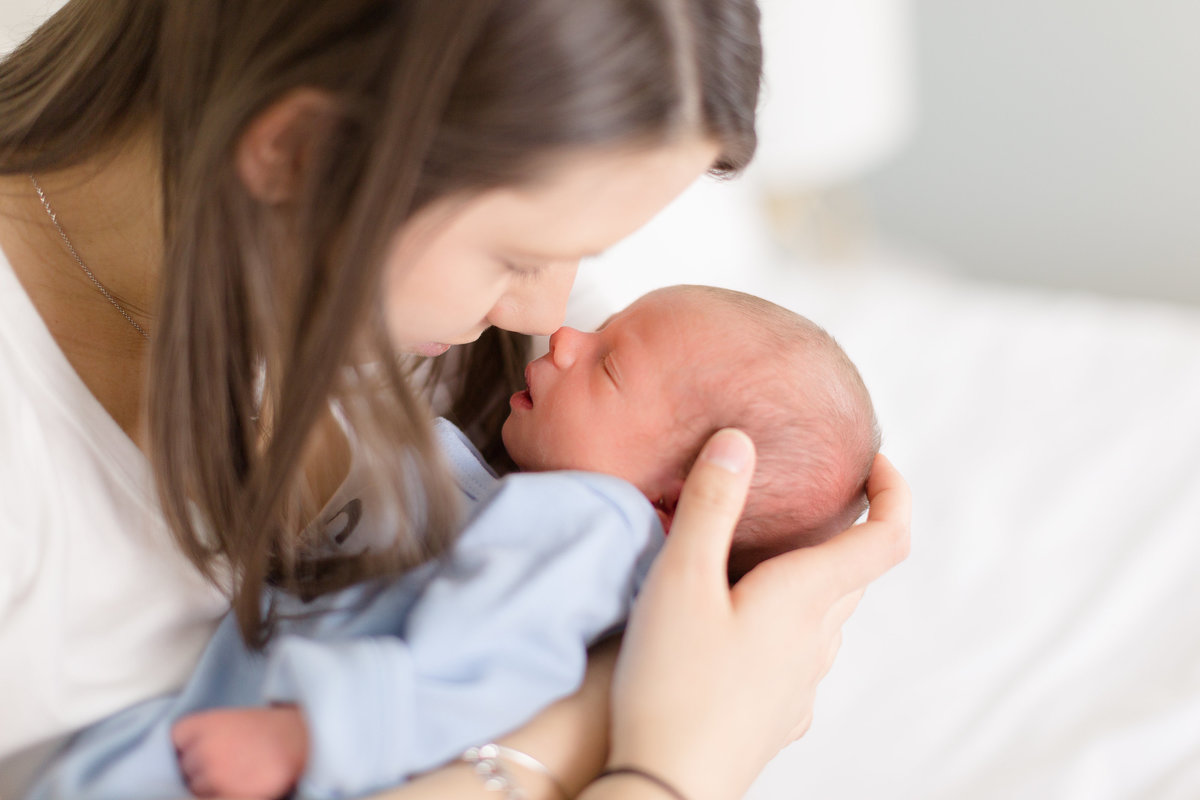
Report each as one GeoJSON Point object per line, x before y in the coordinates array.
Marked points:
{"type": "Point", "coordinates": [571, 736]}
{"type": "Point", "coordinates": [645, 777]}
{"type": "Point", "coordinates": [569, 739]}
{"type": "Point", "coordinates": [510, 771]}
{"type": "Point", "coordinates": [631, 783]}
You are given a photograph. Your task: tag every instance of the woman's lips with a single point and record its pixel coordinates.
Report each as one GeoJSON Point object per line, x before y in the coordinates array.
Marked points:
{"type": "Point", "coordinates": [429, 349]}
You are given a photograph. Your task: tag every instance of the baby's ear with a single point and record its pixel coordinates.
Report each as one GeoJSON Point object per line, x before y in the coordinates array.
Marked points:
{"type": "Point", "coordinates": [665, 517]}
{"type": "Point", "coordinates": [664, 504]}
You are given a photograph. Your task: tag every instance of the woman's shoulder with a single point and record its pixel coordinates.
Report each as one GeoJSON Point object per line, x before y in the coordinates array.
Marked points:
{"type": "Point", "coordinates": [37, 382]}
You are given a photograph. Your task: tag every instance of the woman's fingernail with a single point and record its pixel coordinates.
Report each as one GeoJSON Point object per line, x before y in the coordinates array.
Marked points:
{"type": "Point", "coordinates": [730, 450]}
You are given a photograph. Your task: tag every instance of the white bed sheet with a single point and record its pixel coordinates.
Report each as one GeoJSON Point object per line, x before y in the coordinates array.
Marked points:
{"type": "Point", "coordinates": [1043, 639]}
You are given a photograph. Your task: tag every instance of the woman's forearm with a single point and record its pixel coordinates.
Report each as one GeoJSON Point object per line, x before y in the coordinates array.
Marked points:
{"type": "Point", "coordinates": [570, 737]}
{"type": "Point", "coordinates": [623, 787]}
{"type": "Point", "coordinates": [456, 782]}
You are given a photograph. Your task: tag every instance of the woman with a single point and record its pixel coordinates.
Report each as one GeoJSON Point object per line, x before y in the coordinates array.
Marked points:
{"type": "Point", "coordinates": [222, 220]}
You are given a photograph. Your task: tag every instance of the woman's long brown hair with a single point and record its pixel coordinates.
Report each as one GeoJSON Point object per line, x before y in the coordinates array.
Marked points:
{"type": "Point", "coordinates": [260, 322]}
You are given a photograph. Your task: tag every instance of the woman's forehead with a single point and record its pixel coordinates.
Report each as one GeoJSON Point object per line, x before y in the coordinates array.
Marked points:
{"type": "Point", "coordinates": [588, 202]}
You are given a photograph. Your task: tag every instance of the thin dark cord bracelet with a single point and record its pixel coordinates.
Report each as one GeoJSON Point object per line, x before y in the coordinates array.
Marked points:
{"type": "Point", "coordinates": [641, 773]}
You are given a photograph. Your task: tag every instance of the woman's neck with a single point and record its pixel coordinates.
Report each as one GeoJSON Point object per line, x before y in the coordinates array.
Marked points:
{"type": "Point", "coordinates": [110, 208]}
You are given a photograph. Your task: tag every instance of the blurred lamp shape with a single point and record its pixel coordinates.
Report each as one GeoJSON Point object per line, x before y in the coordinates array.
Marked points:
{"type": "Point", "coordinates": [838, 98]}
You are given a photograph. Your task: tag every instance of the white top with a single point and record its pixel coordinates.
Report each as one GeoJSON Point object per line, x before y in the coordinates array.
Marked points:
{"type": "Point", "coordinates": [98, 607]}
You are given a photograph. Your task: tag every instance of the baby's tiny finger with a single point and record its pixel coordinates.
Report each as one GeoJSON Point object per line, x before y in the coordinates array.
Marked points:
{"type": "Point", "coordinates": [197, 782]}
{"type": "Point", "coordinates": [191, 763]}
{"type": "Point", "coordinates": [183, 733]}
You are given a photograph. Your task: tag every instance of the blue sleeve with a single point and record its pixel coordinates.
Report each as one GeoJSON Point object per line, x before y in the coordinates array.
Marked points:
{"type": "Point", "coordinates": [500, 630]}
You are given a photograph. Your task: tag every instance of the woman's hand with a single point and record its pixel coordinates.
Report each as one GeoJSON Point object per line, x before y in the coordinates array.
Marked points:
{"type": "Point", "coordinates": [712, 682]}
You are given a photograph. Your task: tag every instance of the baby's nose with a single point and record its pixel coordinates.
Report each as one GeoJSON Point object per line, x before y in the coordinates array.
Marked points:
{"type": "Point", "coordinates": [565, 344]}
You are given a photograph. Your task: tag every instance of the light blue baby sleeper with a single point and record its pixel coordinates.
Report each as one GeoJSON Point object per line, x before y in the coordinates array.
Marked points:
{"type": "Point", "coordinates": [397, 677]}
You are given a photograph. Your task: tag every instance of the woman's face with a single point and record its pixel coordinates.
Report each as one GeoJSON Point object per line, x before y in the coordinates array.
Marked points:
{"type": "Point", "coordinates": [507, 257]}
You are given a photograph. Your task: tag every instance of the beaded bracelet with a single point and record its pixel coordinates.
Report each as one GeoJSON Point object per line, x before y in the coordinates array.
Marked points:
{"type": "Point", "coordinates": [644, 775]}
{"type": "Point", "coordinates": [488, 763]}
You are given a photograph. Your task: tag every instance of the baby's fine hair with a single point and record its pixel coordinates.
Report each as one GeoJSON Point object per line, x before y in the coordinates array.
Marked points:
{"type": "Point", "coordinates": [798, 396]}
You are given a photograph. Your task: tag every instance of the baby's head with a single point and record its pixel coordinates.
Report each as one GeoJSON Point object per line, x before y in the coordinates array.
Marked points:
{"type": "Point", "coordinates": [639, 397]}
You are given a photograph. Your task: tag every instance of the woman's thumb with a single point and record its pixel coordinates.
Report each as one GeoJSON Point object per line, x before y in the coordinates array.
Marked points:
{"type": "Point", "coordinates": [711, 503]}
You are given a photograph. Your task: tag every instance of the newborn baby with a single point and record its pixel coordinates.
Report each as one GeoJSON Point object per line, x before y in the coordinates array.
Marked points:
{"type": "Point", "coordinates": [639, 397]}
{"type": "Point", "coordinates": [401, 678]}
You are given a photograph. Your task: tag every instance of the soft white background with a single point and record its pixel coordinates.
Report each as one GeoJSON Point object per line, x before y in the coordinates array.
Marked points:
{"type": "Point", "coordinates": [1042, 640]}
{"type": "Point", "coordinates": [1057, 143]}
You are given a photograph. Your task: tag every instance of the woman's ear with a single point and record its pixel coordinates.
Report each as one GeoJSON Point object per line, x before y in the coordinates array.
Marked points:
{"type": "Point", "coordinates": [278, 145]}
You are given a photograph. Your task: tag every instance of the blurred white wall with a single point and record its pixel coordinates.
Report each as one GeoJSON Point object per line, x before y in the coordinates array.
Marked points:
{"type": "Point", "coordinates": [1055, 140]}
{"type": "Point", "coordinates": [18, 18]}
{"type": "Point", "coordinates": [1058, 142]}
{"type": "Point", "coordinates": [837, 96]}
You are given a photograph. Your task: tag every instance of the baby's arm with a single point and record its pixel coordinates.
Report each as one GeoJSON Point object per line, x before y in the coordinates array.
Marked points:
{"type": "Point", "coordinates": [496, 635]}
{"type": "Point", "coordinates": [242, 752]}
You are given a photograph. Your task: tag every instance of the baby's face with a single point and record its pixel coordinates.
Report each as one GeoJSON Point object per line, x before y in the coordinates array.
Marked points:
{"type": "Point", "coordinates": [611, 401]}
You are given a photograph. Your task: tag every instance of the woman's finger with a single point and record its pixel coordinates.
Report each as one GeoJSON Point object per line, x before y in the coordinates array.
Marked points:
{"type": "Point", "coordinates": [860, 555]}
{"type": "Point", "coordinates": [831, 655]}
{"type": "Point", "coordinates": [709, 506]}
{"type": "Point", "coordinates": [843, 608]}
{"type": "Point", "coordinates": [888, 494]}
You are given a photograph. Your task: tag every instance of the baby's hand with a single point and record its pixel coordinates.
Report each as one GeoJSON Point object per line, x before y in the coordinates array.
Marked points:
{"type": "Point", "coordinates": [242, 752]}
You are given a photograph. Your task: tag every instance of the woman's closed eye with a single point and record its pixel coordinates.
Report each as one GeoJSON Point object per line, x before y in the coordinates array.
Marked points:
{"type": "Point", "coordinates": [526, 271]}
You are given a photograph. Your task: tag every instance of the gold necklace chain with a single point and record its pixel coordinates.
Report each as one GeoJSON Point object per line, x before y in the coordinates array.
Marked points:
{"type": "Point", "coordinates": [91, 276]}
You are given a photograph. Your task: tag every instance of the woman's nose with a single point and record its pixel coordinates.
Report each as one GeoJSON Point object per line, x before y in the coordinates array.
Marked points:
{"type": "Point", "coordinates": [565, 345]}
{"type": "Point", "coordinates": [539, 307]}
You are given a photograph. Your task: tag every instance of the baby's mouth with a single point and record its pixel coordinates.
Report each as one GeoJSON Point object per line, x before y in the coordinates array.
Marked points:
{"type": "Point", "coordinates": [523, 398]}
{"type": "Point", "coordinates": [529, 383]}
